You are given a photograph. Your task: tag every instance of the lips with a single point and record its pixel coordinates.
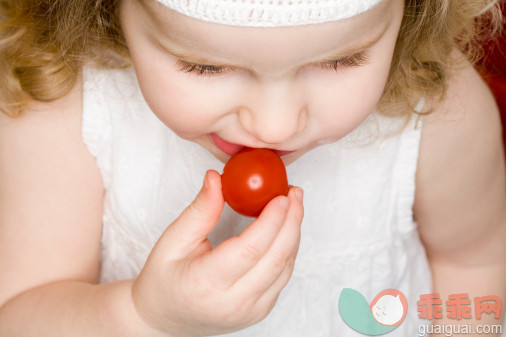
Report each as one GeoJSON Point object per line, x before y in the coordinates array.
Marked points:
{"type": "Point", "coordinates": [223, 145]}
{"type": "Point", "coordinates": [231, 148]}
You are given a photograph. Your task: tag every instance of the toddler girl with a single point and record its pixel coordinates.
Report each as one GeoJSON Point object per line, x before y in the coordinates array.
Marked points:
{"type": "Point", "coordinates": [114, 112]}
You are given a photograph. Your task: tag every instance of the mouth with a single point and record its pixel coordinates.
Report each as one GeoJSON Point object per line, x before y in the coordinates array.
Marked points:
{"type": "Point", "coordinates": [231, 148]}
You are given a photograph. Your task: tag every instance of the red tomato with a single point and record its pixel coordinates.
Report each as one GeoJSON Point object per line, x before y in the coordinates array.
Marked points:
{"type": "Point", "coordinates": [251, 178]}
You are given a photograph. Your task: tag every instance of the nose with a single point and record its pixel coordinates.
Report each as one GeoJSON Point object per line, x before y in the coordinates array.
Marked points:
{"type": "Point", "coordinates": [274, 113]}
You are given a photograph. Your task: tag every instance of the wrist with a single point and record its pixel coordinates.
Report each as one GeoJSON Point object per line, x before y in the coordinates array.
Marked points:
{"type": "Point", "coordinates": [124, 314]}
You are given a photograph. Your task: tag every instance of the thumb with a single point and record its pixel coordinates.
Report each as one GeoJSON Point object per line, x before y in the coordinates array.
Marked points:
{"type": "Point", "coordinates": [195, 223]}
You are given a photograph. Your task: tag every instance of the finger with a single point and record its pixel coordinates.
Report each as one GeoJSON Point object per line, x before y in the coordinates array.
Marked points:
{"type": "Point", "coordinates": [268, 298]}
{"type": "Point", "coordinates": [235, 256]}
{"type": "Point", "coordinates": [195, 223]}
{"type": "Point", "coordinates": [265, 273]}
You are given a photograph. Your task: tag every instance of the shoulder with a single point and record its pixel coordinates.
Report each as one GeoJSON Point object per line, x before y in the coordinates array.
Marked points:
{"type": "Point", "coordinates": [461, 164]}
{"type": "Point", "coordinates": [467, 106]}
{"type": "Point", "coordinates": [67, 108]}
{"type": "Point", "coordinates": [46, 126]}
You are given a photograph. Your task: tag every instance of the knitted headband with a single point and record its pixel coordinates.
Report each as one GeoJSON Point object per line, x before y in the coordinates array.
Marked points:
{"type": "Point", "coordinates": [269, 13]}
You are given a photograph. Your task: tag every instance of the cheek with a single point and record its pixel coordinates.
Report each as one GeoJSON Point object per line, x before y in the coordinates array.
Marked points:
{"type": "Point", "coordinates": [177, 103]}
{"type": "Point", "coordinates": [346, 103]}
{"type": "Point", "coordinates": [355, 94]}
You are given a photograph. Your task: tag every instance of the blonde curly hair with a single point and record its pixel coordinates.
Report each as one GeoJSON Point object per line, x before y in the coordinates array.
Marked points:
{"type": "Point", "coordinates": [45, 43]}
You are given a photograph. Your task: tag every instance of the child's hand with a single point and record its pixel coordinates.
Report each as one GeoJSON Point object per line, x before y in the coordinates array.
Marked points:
{"type": "Point", "coordinates": [189, 289]}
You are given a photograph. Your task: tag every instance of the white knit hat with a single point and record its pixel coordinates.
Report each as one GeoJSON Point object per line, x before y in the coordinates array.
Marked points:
{"type": "Point", "coordinates": [269, 13]}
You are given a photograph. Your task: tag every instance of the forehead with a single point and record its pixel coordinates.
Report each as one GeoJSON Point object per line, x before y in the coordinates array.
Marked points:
{"type": "Point", "coordinates": [244, 44]}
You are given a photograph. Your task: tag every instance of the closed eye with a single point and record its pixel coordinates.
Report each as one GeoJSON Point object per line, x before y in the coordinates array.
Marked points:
{"type": "Point", "coordinates": [351, 61]}
{"type": "Point", "coordinates": [200, 69]}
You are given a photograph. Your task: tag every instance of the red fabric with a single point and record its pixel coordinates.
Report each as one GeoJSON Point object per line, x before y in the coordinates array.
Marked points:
{"type": "Point", "coordinates": [493, 69]}
{"type": "Point", "coordinates": [498, 86]}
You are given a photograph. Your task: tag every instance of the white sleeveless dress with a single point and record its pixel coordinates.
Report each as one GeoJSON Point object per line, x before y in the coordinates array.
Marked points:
{"type": "Point", "coordinates": [358, 231]}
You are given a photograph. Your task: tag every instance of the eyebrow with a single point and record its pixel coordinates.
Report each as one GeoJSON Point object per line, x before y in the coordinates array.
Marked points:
{"type": "Point", "coordinates": [355, 49]}
{"type": "Point", "coordinates": [192, 58]}
{"type": "Point", "coordinates": [198, 59]}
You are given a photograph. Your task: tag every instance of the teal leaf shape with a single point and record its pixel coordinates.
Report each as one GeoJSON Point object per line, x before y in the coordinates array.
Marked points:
{"type": "Point", "coordinates": [355, 312]}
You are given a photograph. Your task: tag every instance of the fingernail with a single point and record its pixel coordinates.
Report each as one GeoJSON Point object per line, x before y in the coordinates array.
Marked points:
{"type": "Point", "coordinates": [299, 193]}
{"type": "Point", "coordinates": [284, 203]}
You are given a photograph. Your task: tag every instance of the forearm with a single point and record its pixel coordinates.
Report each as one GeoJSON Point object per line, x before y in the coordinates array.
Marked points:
{"type": "Point", "coordinates": [74, 309]}
{"type": "Point", "coordinates": [488, 279]}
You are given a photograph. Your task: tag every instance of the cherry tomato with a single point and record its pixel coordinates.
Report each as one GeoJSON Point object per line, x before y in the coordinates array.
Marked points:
{"type": "Point", "coordinates": [251, 178]}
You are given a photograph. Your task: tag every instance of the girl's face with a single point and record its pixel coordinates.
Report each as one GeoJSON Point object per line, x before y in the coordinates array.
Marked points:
{"type": "Point", "coordinates": [287, 88]}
